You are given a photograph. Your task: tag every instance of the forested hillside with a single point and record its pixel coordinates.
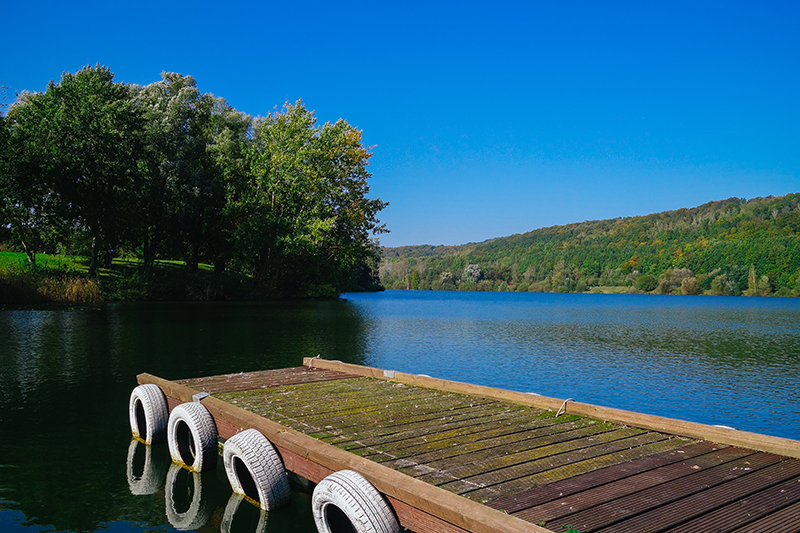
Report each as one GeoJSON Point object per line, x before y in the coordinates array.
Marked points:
{"type": "Point", "coordinates": [728, 247]}
{"type": "Point", "coordinates": [105, 170]}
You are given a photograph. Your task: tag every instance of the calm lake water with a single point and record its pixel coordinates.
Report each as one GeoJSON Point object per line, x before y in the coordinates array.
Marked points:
{"type": "Point", "coordinates": [66, 374]}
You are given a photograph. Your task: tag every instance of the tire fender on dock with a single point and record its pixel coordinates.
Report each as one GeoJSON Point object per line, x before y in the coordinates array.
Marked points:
{"type": "Point", "coordinates": [148, 414]}
{"type": "Point", "coordinates": [255, 470]}
{"type": "Point", "coordinates": [192, 437]}
{"type": "Point", "coordinates": [346, 496]}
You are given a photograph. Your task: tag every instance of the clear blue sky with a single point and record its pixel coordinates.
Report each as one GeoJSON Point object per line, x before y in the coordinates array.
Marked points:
{"type": "Point", "coordinates": [488, 119]}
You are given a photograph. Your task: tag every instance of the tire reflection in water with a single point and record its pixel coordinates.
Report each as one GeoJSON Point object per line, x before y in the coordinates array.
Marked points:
{"type": "Point", "coordinates": [189, 506]}
{"type": "Point", "coordinates": [206, 501]}
{"type": "Point", "coordinates": [146, 468]}
{"type": "Point", "coordinates": [248, 517]}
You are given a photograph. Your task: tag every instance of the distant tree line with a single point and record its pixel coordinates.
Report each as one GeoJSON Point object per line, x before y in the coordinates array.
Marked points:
{"type": "Point", "coordinates": [105, 169]}
{"type": "Point", "coordinates": [729, 247]}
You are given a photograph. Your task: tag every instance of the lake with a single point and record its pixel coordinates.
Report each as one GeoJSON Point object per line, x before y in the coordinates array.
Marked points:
{"type": "Point", "coordinates": [66, 374]}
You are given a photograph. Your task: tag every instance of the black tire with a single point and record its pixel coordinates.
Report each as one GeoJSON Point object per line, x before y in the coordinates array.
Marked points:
{"type": "Point", "coordinates": [148, 414]}
{"type": "Point", "coordinates": [226, 526]}
{"type": "Point", "coordinates": [255, 470]}
{"type": "Point", "coordinates": [192, 437]}
{"type": "Point", "coordinates": [199, 510]}
{"type": "Point", "coordinates": [154, 469]}
{"type": "Point", "coordinates": [345, 501]}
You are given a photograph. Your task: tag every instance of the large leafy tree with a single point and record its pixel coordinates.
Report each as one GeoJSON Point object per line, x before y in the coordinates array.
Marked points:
{"type": "Point", "coordinates": [229, 131]}
{"type": "Point", "coordinates": [303, 222]}
{"type": "Point", "coordinates": [76, 148]}
{"type": "Point", "coordinates": [183, 196]}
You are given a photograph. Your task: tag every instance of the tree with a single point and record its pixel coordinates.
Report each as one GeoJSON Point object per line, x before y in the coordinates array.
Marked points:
{"type": "Point", "coordinates": [472, 274]}
{"type": "Point", "coordinates": [752, 282]}
{"type": "Point", "coordinates": [76, 150]}
{"type": "Point", "coordinates": [303, 222]}
{"type": "Point", "coordinates": [646, 283]}
{"type": "Point", "coordinates": [689, 286]}
{"type": "Point", "coordinates": [183, 195]}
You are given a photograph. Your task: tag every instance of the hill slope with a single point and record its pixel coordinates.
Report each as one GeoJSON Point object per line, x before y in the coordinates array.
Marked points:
{"type": "Point", "coordinates": [732, 246]}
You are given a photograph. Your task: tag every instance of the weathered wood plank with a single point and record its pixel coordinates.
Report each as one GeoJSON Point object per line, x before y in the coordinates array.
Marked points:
{"type": "Point", "coordinates": [674, 503]}
{"type": "Point", "coordinates": [350, 404]}
{"type": "Point", "coordinates": [746, 510]}
{"type": "Point", "coordinates": [545, 477]}
{"type": "Point", "coordinates": [527, 499]}
{"type": "Point", "coordinates": [481, 456]}
{"type": "Point", "coordinates": [479, 471]}
{"type": "Point", "coordinates": [488, 434]}
{"type": "Point", "coordinates": [787, 520]}
{"type": "Point", "coordinates": [744, 439]}
{"type": "Point", "coordinates": [426, 424]}
{"type": "Point", "coordinates": [262, 379]}
{"type": "Point", "coordinates": [587, 499]}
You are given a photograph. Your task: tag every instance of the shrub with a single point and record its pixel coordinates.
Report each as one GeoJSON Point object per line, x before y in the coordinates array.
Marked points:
{"type": "Point", "coordinates": [646, 283]}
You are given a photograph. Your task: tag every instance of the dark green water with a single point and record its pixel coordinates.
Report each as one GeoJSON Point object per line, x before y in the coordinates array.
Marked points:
{"type": "Point", "coordinates": [66, 375]}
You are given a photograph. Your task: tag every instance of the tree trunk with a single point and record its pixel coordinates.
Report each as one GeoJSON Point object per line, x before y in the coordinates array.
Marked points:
{"type": "Point", "coordinates": [30, 253]}
{"type": "Point", "coordinates": [95, 252]}
{"type": "Point", "coordinates": [150, 249]}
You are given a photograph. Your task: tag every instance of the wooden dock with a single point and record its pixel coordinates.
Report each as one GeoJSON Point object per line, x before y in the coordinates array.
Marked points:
{"type": "Point", "coordinates": [453, 457]}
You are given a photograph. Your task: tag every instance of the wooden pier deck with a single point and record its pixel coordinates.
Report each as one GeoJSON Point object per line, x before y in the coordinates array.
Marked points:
{"type": "Point", "coordinates": [455, 457]}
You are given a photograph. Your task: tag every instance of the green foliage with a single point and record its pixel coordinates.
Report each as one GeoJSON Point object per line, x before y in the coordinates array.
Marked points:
{"type": "Point", "coordinates": [164, 170]}
{"type": "Point", "coordinates": [74, 151]}
{"type": "Point", "coordinates": [302, 221]}
{"type": "Point", "coordinates": [706, 249]}
{"type": "Point", "coordinates": [646, 283]}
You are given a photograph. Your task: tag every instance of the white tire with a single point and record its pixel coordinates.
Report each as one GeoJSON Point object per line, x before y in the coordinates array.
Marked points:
{"type": "Point", "coordinates": [148, 413]}
{"type": "Point", "coordinates": [347, 496]}
{"type": "Point", "coordinates": [153, 471]}
{"type": "Point", "coordinates": [182, 516]}
{"type": "Point", "coordinates": [255, 470]}
{"type": "Point", "coordinates": [192, 437]}
{"type": "Point", "coordinates": [226, 526]}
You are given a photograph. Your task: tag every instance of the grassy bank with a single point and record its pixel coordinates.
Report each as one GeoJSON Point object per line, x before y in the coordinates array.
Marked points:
{"type": "Point", "coordinates": [64, 279]}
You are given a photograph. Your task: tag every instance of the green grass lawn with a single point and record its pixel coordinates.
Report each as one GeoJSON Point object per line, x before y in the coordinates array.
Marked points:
{"type": "Point", "coordinates": [59, 278]}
